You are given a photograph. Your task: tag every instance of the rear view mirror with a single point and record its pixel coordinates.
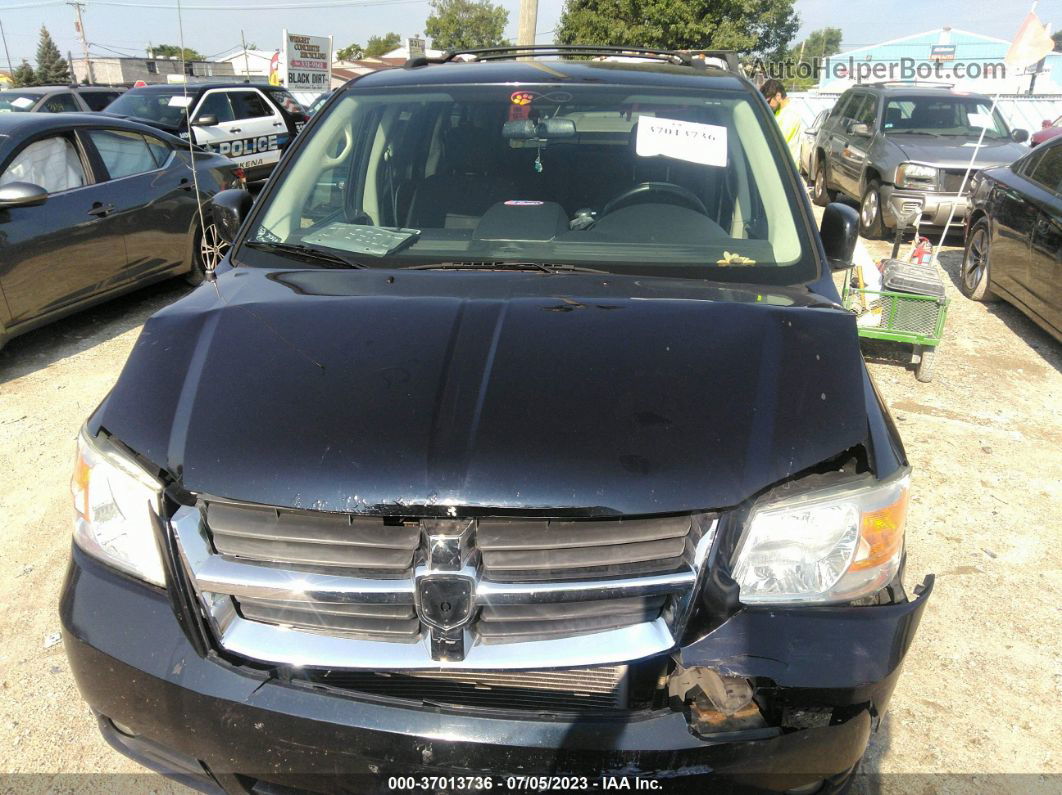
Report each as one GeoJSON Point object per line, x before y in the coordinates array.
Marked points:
{"type": "Point", "coordinates": [205, 120]}
{"type": "Point", "coordinates": [22, 194]}
{"type": "Point", "coordinates": [1019, 136]}
{"type": "Point", "coordinates": [527, 129]}
{"type": "Point", "coordinates": [228, 209]}
{"type": "Point", "coordinates": [839, 232]}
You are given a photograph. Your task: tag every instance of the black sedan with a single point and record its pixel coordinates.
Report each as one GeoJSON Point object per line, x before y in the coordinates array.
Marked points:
{"type": "Point", "coordinates": [1014, 236]}
{"type": "Point", "coordinates": [92, 207]}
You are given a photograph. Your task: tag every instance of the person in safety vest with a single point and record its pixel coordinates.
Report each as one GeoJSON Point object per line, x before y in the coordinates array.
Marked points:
{"type": "Point", "coordinates": [787, 117]}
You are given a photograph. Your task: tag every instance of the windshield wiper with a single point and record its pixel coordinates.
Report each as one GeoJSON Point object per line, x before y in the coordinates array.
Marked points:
{"type": "Point", "coordinates": [299, 251]}
{"type": "Point", "coordinates": [506, 265]}
{"type": "Point", "coordinates": [914, 132]}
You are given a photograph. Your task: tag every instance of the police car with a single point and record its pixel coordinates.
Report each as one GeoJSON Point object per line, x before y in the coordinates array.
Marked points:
{"type": "Point", "coordinates": [251, 124]}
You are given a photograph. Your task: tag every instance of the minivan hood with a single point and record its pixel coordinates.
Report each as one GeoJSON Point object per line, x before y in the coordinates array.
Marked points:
{"type": "Point", "coordinates": [386, 391]}
{"type": "Point", "coordinates": [956, 152]}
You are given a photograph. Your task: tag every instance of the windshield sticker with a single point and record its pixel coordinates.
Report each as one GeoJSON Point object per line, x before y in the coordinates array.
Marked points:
{"type": "Point", "coordinates": [522, 97]}
{"type": "Point", "coordinates": [179, 101]}
{"type": "Point", "coordinates": [980, 120]}
{"type": "Point", "coordinates": [22, 102]}
{"type": "Point", "coordinates": [682, 140]}
{"type": "Point", "coordinates": [523, 203]}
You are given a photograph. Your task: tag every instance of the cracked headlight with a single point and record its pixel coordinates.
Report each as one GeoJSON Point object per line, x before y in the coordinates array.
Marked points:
{"type": "Point", "coordinates": [914, 175]}
{"type": "Point", "coordinates": [834, 544]}
{"type": "Point", "coordinates": [113, 502]}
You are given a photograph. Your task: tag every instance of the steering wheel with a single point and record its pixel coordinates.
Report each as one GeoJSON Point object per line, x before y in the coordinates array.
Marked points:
{"type": "Point", "coordinates": [640, 193]}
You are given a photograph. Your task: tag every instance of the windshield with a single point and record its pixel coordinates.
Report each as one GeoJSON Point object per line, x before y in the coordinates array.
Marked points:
{"type": "Point", "coordinates": [684, 184]}
{"type": "Point", "coordinates": [165, 107]}
{"type": "Point", "coordinates": [15, 102]}
{"type": "Point", "coordinates": [945, 115]}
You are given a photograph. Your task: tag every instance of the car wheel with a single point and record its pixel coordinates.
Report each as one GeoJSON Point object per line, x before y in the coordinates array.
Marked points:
{"type": "Point", "coordinates": [975, 274]}
{"type": "Point", "coordinates": [210, 249]}
{"type": "Point", "coordinates": [871, 225]}
{"type": "Point", "coordinates": [820, 194]}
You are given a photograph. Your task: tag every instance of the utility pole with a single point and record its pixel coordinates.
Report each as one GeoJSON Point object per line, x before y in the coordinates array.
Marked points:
{"type": "Point", "coordinates": [246, 60]}
{"type": "Point", "coordinates": [525, 34]}
{"type": "Point", "coordinates": [10, 68]}
{"type": "Point", "coordinates": [80, 25]}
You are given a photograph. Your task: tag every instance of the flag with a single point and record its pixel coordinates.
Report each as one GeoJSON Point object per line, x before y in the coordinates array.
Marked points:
{"type": "Point", "coordinates": [1030, 45]}
{"type": "Point", "coordinates": [274, 69]}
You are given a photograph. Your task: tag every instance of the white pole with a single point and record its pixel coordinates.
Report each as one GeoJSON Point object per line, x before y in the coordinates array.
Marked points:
{"type": "Point", "coordinates": [246, 60]}
{"type": "Point", "coordinates": [284, 57]}
{"type": "Point", "coordinates": [966, 175]}
{"type": "Point", "coordinates": [973, 157]}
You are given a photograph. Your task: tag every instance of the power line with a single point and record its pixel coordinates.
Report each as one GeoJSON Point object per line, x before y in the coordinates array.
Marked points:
{"type": "Point", "coordinates": [284, 6]}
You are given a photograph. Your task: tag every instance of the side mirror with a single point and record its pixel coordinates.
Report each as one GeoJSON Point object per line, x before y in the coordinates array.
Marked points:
{"type": "Point", "coordinates": [859, 128]}
{"type": "Point", "coordinates": [205, 120]}
{"type": "Point", "coordinates": [839, 232]}
{"type": "Point", "coordinates": [228, 209]}
{"type": "Point", "coordinates": [22, 194]}
{"type": "Point", "coordinates": [1019, 136]}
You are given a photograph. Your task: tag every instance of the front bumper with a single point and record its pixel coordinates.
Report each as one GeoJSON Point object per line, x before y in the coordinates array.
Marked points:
{"type": "Point", "coordinates": [203, 719]}
{"type": "Point", "coordinates": [935, 208]}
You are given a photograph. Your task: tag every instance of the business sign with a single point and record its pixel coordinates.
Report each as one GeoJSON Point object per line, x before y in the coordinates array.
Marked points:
{"type": "Point", "coordinates": [942, 52]}
{"type": "Point", "coordinates": [307, 62]}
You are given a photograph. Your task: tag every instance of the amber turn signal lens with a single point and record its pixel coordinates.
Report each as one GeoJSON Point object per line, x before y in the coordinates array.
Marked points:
{"type": "Point", "coordinates": [881, 534]}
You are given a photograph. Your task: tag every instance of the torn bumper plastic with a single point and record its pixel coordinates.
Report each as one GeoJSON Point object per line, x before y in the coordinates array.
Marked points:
{"type": "Point", "coordinates": [202, 720]}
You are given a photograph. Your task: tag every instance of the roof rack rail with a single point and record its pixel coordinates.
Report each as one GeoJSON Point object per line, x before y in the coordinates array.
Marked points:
{"type": "Point", "coordinates": [680, 57]}
{"type": "Point", "coordinates": [912, 84]}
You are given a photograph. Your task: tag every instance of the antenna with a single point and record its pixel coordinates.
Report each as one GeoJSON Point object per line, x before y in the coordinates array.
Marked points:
{"type": "Point", "coordinates": [207, 267]}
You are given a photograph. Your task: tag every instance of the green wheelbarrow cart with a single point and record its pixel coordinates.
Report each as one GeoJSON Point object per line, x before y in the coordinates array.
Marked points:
{"type": "Point", "coordinates": [914, 313]}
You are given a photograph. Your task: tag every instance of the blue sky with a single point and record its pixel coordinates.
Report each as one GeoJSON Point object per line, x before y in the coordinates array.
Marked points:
{"type": "Point", "coordinates": [128, 30]}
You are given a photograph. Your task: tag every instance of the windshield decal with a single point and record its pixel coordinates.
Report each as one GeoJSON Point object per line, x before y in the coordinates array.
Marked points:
{"type": "Point", "coordinates": [682, 140]}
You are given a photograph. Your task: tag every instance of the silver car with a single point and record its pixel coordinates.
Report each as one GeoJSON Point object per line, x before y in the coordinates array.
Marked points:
{"type": "Point", "coordinates": [807, 142]}
{"type": "Point", "coordinates": [910, 141]}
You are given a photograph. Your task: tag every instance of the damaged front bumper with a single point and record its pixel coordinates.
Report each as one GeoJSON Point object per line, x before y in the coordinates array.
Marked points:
{"type": "Point", "coordinates": [222, 727]}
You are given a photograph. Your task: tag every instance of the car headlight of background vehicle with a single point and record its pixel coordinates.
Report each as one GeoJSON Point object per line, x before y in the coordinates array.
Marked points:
{"type": "Point", "coordinates": [915, 175]}
{"type": "Point", "coordinates": [113, 502]}
{"type": "Point", "coordinates": [827, 545]}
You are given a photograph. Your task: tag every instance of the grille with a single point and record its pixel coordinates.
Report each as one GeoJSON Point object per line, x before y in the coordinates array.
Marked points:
{"type": "Point", "coordinates": [569, 690]}
{"type": "Point", "coordinates": [951, 180]}
{"type": "Point", "coordinates": [508, 623]}
{"type": "Point", "coordinates": [551, 550]}
{"type": "Point", "coordinates": [314, 541]}
{"type": "Point", "coordinates": [397, 623]}
{"type": "Point", "coordinates": [332, 591]}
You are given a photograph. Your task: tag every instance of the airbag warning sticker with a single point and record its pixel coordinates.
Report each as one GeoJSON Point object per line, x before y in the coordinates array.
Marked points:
{"type": "Point", "coordinates": [682, 140]}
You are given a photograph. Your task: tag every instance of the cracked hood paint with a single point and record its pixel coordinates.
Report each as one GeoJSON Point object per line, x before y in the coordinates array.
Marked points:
{"type": "Point", "coordinates": [385, 391]}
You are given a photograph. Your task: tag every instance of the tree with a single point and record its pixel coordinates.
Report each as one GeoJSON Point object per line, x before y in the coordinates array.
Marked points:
{"type": "Point", "coordinates": [352, 52]}
{"type": "Point", "coordinates": [381, 45]}
{"type": "Point", "coordinates": [464, 24]}
{"type": "Point", "coordinates": [52, 69]}
{"type": "Point", "coordinates": [1057, 37]}
{"type": "Point", "coordinates": [760, 27]}
{"type": "Point", "coordinates": [173, 51]}
{"type": "Point", "coordinates": [24, 76]}
{"type": "Point", "coordinates": [819, 44]}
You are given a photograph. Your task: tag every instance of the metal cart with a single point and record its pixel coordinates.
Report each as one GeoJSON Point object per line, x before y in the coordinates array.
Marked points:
{"type": "Point", "coordinates": [900, 317]}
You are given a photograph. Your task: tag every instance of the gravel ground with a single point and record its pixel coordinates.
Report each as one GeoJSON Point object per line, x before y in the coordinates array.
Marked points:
{"type": "Point", "coordinates": [985, 440]}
